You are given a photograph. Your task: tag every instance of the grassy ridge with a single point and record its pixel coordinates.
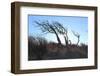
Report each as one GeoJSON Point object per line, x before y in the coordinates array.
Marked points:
{"type": "Point", "coordinates": [40, 49]}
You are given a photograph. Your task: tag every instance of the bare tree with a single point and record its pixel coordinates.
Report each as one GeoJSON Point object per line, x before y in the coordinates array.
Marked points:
{"type": "Point", "coordinates": [77, 35]}
{"type": "Point", "coordinates": [46, 27]}
{"type": "Point", "coordinates": [56, 28]}
{"type": "Point", "coordinates": [61, 30]}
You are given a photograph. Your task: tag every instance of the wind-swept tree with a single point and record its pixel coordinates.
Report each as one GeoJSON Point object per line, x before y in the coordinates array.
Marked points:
{"type": "Point", "coordinates": [61, 30]}
{"type": "Point", "coordinates": [46, 27]}
{"type": "Point", "coordinates": [77, 35]}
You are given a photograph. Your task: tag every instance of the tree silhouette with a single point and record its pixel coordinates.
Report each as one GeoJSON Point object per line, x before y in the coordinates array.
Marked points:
{"type": "Point", "coordinates": [57, 28]}
{"type": "Point", "coordinates": [46, 27]}
{"type": "Point", "coordinates": [61, 30]}
{"type": "Point", "coordinates": [77, 35]}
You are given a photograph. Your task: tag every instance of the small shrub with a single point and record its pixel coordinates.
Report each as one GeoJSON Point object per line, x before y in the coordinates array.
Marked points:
{"type": "Point", "coordinates": [36, 48]}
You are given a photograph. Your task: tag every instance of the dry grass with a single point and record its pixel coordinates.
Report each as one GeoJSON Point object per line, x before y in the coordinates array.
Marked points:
{"type": "Point", "coordinates": [40, 49]}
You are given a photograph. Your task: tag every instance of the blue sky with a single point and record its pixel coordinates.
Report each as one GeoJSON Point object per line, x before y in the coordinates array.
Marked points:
{"type": "Point", "coordinates": [76, 23]}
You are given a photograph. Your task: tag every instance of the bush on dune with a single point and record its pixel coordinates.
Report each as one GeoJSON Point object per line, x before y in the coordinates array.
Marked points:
{"type": "Point", "coordinates": [36, 47]}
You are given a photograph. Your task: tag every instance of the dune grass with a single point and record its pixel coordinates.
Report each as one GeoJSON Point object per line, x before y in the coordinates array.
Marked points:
{"type": "Point", "coordinates": [40, 49]}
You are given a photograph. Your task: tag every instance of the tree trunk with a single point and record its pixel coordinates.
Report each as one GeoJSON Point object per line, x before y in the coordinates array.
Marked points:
{"type": "Point", "coordinates": [70, 42]}
{"type": "Point", "coordinates": [66, 40]}
{"type": "Point", "coordinates": [58, 39]}
{"type": "Point", "coordinates": [78, 41]}
{"type": "Point", "coordinates": [59, 42]}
